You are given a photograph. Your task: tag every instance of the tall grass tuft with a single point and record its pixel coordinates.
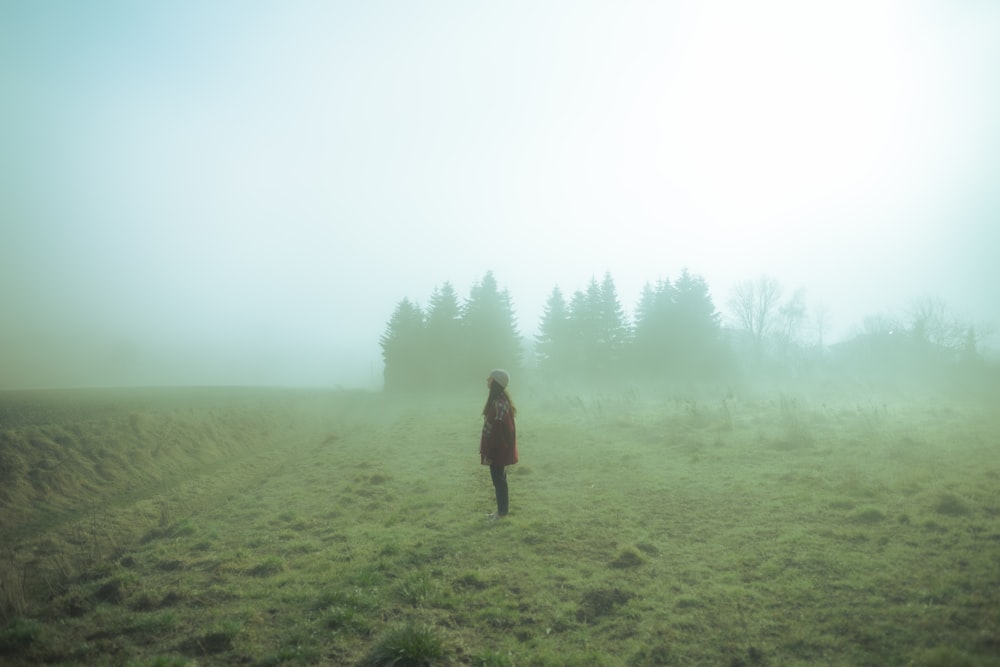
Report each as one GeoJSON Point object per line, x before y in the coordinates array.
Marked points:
{"type": "Point", "coordinates": [797, 432]}
{"type": "Point", "coordinates": [410, 645]}
{"type": "Point", "coordinates": [13, 601]}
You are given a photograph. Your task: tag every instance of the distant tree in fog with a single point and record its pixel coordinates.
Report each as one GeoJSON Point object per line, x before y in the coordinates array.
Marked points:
{"type": "Point", "coordinates": [753, 305]}
{"type": "Point", "coordinates": [445, 338]}
{"type": "Point", "coordinates": [652, 330]}
{"type": "Point", "coordinates": [880, 325]}
{"type": "Point", "coordinates": [598, 332]}
{"type": "Point", "coordinates": [927, 334]}
{"type": "Point", "coordinates": [678, 331]}
{"type": "Point", "coordinates": [790, 320]}
{"type": "Point", "coordinates": [972, 344]}
{"type": "Point", "coordinates": [788, 336]}
{"type": "Point", "coordinates": [403, 348]}
{"type": "Point", "coordinates": [696, 330]}
{"type": "Point", "coordinates": [934, 330]}
{"type": "Point", "coordinates": [490, 328]}
{"type": "Point", "coordinates": [554, 341]}
{"type": "Point", "coordinates": [820, 324]}
{"type": "Point", "coordinates": [927, 342]}
{"type": "Point", "coordinates": [450, 344]}
{"type": "Point", "coordinates": [613, 330]}
{"type": "Point", "coordinates": [930, 324]}
{"type": "Point", "coordinates": [582, 333]}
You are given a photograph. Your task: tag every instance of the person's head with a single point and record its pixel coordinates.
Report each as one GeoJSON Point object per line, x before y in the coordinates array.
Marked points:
{"type": "Point", "coordinates": [497, 382]}
{"type": "Point", "coordinates": [498, 376]}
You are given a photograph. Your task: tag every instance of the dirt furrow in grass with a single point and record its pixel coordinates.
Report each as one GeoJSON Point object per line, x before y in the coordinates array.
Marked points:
{"type": "Point", "coordinates": [71, 545]}
{"type": "Point", "coordinates": [168, 465]}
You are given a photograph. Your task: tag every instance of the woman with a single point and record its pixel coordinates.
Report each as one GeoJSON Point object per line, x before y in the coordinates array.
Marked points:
{"type": "Point", "coordinates": [498, 444]}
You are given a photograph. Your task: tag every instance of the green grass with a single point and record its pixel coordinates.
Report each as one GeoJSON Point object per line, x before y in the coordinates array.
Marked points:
{"type": "Point", "coordinates": [409, 645]}
{"type": "Point", "coordinates": [756, 530]}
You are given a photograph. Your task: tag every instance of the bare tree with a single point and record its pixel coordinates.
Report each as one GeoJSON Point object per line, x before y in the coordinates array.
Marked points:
{"type": "Point", "coordinates": [820, 323]}
{"type": "Point", "coordinates": [931, 323]}
{"type": "Point", "coordinates": [879, 324]}
{"type": "Point", "coordinates": [974, 341]}
{"type": "Point", "coordinates": [791, 316]}
{"type": "Point", "coordinates": [754, 305]}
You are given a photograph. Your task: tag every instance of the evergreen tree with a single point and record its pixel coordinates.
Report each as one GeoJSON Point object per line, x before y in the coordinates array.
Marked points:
{"type": "Point", "coordinates": [490, 328]}
{"type": "Point", "coordinates": [445, 338]}
{"type": "Point", "coordinates": [678, 332]}
{"type": "Point", "coordinates": [554, 339]}
{"type": "Point", "coordinates": [580, 337]}
{"type": "Point", "coordinates": [696, 348]}
{"type": "Point", "coordinates": [612, 328]}
{"type": "Point", "coordinates": [403, 348]}
{"type": "Point", "coordinates": [599, 331]}
{"type": "Point", "coordinates": [593, 343]}
{"type": "Point", "coordinates": [651, 337]}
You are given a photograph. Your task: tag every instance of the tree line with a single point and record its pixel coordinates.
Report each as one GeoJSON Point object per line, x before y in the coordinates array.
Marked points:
{"type": "Point", "coordinates": [588, 337]}
{"type": "Point", "coordinates": [772, 329]}
{"type": "Point", "coordinates": [674, 333]}
{"type": "Point", "coordinates": [448, 343]}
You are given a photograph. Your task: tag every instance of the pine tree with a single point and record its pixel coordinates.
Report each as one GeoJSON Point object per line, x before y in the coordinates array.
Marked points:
{"type": "Point", "coordinates": [490, 329]}
{"type": "Point", "coordinates": [614, 330]}
{"type": "Point", "coordinates": [554, 341]}
{"type": "Point", "coordinates": [651, 337]}
{"type": "Point", "coordinates": [696, 348]}
{"type": "Point", "coordinates": [599, 331]}
{"type": "Point", "coordinates": [403, 348]}
{"type": "Point", "coordinates": [580, 337]}
{"type": "Point", "coordinates": [677, 330]}
{"type": "Point", "coordinates": [445, 348]}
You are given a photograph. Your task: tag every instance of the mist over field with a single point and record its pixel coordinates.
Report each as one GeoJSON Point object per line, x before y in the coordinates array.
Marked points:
{"type": "Point", "coordinates": [739, 260]}
{"type": "Point", "coordinates": [227, 195]}
{"type": "Point", "coordinates": [825, 523]}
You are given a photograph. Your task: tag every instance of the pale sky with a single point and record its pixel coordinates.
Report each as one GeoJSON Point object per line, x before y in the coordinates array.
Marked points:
{"type": "Point", "coordinates": [241, 192]}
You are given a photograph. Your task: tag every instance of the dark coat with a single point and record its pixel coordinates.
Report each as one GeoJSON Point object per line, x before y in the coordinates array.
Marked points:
{"type": "Point", "coordinates": [498, 444]}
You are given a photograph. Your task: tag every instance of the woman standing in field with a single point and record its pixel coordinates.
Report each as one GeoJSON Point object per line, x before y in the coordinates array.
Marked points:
{"type": "Point", "coordinates": [498, 444]}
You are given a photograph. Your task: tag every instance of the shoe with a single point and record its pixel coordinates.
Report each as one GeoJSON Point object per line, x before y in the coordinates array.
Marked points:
{"type": "Point", "coordinates": [496, 516]}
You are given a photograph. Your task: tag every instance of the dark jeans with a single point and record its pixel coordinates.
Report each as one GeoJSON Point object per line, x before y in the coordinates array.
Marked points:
{"type": "Point", "coordinates": [499, 475]}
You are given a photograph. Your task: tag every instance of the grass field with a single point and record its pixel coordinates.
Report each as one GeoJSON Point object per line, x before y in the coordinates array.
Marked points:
{"type": "Point", "coordinates": [269, 527]}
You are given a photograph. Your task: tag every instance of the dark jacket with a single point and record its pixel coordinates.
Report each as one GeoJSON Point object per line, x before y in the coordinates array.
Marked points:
{"type": "Point", "coordinates": [498, 444]}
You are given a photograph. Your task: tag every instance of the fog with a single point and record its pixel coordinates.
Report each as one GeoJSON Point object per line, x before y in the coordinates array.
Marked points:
{"type": "Point", "coordinates": [239, 193]}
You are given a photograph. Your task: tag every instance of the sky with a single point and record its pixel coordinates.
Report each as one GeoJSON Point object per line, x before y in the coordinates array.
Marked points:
{"type": "Point", "coordinates": [235, 193]}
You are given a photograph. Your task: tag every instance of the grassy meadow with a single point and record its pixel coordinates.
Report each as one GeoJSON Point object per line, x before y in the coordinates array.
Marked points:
{"type": "Point", "coordinates": [280, 527]}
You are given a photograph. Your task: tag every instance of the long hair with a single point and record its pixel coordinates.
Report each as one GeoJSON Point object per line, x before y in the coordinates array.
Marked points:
{"type": "Point", "coordinates": [498, 391]}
